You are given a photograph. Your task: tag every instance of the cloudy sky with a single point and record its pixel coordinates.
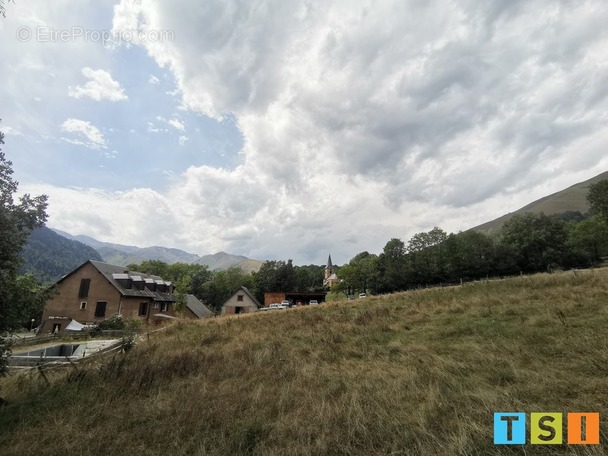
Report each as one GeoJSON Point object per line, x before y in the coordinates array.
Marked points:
{"type": "Point", "coordinates": [282, 129]}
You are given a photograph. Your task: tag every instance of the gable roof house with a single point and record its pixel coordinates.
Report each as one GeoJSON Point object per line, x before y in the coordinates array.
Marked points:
{"type": "Point", "coordinates": [95, 291]}
{"type": "Point", "coordinates": [242, 301]}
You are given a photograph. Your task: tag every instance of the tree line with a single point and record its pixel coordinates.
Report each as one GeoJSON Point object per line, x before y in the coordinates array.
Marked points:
{"type": "Point", "coordinates": [215, 287]}
{"type": "Point", "coordinates": [527, 243]}
{"type": "Point", "coordinates": [21, 297]}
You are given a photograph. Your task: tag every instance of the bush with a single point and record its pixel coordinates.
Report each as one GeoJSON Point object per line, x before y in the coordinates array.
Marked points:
{"type": "Point", "coordinates": [115, 322]}
{"type": "Point", "coordinates": [5, 354]}
{"type": "Point", "coordinates": [336, 296]}
{"type": "Point", "coordinates": [134, 324]}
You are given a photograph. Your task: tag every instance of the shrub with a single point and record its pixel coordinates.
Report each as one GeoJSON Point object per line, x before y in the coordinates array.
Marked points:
{"type": "Point", "coordinates": [115, 322]}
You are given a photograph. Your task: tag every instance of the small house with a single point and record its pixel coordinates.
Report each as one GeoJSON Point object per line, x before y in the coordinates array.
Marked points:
{"type": "Point", "coordinates": [242, 301]}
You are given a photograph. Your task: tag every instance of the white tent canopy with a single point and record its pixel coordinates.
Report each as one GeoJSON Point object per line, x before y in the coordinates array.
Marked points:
{"type": "Point", "coordinates": [74, 326]}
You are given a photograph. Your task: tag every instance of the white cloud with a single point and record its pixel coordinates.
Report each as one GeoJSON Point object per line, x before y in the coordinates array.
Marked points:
{"type": "Point", "coordinates": [413, 113]}
{"type": "Point", "coordinates": [93, 137]}
{"type": "Point", "coordinates": [9, 131]}
{"type": "Point", "coordinates": [360, 120]}
{"type": "Point", "coordinates": [153, 80]}
{"type": "Point", "coordinates": [100, 86]}
{"type": "Point", "coordinates": [176, 124]}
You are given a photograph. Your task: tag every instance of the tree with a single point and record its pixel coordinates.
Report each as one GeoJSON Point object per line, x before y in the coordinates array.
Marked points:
{"type": "Point", "coordinates": [589, 239]}
{"type": "Point", "coordinates": [2, 8]}
{"type": "Point", "coordinates": [393, 268]}
{"type": "Point", "coordinates": [469, 255]}
{"type": "Point", "coordinates": [308, 278]}
{"type": "Point", "coordinates": [360, 274]}
{"type": "Point", "coordinates": [538, 241]}
{"type": "Point", "coordinates": [597, 197]}
{"type": "Point", "coordinates": [17, 220]}
{"type": "Point", "coordinates": [197, 274]}
{"type": "Point", "coordinates": [286, 277]}
{"type": "Point", "coordinates": [223, 285]}
{"type": "Point", "coordinates": [274, 276]}
{"type": "Point", "coordinates": [427, 256]}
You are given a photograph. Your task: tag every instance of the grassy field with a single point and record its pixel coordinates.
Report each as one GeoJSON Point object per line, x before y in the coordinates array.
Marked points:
{"type": "Point", "coordinates": [416, 373]}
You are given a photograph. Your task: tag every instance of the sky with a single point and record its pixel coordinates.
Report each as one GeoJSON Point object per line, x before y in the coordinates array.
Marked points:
{"type": "Point", "coordinates": [280, 129]}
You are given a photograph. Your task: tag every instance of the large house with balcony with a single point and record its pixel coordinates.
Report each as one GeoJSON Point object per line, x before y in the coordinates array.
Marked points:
{"type": "Point", "coordinates": [95, 291]}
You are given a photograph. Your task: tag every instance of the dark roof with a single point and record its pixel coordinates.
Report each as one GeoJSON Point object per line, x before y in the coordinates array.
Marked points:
{"type": "Point", "coordinates": [198, 308]}
{"type": "Point", "coordinates": [329, 264]}
{"type": "Point", "coordinates": [115, 273]}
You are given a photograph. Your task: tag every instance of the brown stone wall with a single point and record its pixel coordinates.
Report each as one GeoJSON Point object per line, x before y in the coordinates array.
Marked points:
{"type": "Point", "coordinates": [66, 303]}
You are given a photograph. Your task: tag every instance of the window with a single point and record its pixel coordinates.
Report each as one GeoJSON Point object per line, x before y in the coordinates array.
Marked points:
{"type": "Point", "coordinates": [83, 305]}
{"type": "Point", "coordinates": [100, 309]}
{"type": "Point", "coordinates": [143, 309]}
{"type": "Point", "coordinates": [239, 298]}
{"type": "Point", "coordinates": [84, 288]}
{"type": "Point", "coordinates": [156, 306]}
{"type": "Point", "coordinates": [164, 306]}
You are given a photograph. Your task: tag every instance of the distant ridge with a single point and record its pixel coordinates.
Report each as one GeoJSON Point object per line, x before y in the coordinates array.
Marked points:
{"type": "Point", "coordinates": [573, 198]}
{"type": "Point", "coordinates": [49, 256]}
{"type": "Point", "coordinates": [123, 255]}
{"type": "Point", "coordinates": [223, 260]}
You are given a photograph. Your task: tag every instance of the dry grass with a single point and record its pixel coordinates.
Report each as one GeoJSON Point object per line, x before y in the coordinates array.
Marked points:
{"type": "Point", "coordinates": [412, 373]}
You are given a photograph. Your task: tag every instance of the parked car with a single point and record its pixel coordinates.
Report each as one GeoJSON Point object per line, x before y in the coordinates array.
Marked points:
{"type": "Point", "coordinates": [286, 303]}
{"type": "Point", "coordinates": [313, 302]}
{"type": "Point", "coordinates": [277, 306]}
{"type": "Point", "coordinates": [362, 295]}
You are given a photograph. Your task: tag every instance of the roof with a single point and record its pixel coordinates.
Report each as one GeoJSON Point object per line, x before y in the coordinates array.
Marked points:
{"type": "Point", "coordinates": [197, 307]}
{"type": "Point", "coordinates": [248, 293]}
{"type": "Point", "coordinates": [329, 264]}
{"type": "Point", "coordinates": [115, 274]}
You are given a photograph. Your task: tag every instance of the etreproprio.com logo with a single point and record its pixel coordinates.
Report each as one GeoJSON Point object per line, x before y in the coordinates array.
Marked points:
{"type": "Point", "coordinates": [43, 34]}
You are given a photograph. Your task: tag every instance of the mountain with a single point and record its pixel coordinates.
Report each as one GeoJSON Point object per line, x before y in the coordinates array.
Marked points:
{"type": "Point", "coordinates": [223, 260]}
{"type": "Point", "coordinates": [123, 255]}
{"type": "Point", "coordinates": [573, 199]}
{"type": "Point", "coordinates": [49, 256]}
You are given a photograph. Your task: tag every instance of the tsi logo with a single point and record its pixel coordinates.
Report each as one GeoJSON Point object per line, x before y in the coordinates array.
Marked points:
{"type": "Point", "coordinates": [546, 428]}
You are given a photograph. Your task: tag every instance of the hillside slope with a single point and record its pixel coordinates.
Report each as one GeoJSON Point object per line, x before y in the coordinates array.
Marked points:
{"type": "Point", "coordinates": [48, 256]}
{"type": "Point", "coordinates": [573, 198]}
{"type": "Point", "coordinates": [417, 373]}
{"type": "Point", "coordinates": [223, 260]}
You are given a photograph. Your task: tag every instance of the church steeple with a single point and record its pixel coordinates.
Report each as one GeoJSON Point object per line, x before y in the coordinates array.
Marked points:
{"type": "Point", "coordinates": [330, 275]}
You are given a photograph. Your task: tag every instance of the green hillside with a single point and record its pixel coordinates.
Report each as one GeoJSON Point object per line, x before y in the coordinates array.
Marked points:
{"type": "Point", "coordinates": [573, 198]}
{"type": "Point", "coordinates": [415, 373]}
{"type": "Point", "coordinates": [48, 256]}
